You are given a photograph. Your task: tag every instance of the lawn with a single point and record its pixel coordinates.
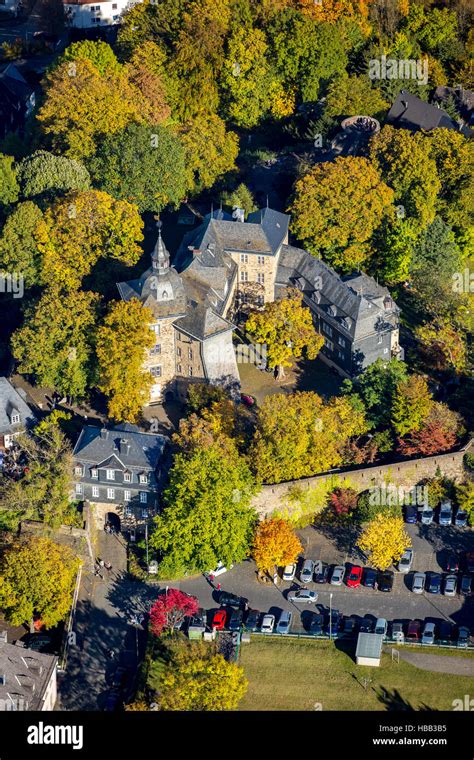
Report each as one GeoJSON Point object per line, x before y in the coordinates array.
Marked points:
{"type": "Point", "coordinates": [299, 674]}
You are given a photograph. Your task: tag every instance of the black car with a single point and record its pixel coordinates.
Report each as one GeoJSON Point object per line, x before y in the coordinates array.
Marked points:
{"type": "Point", "coordinates": [434, 583]}
{"type": "Point", "coordinates": [366, 625]}
{"type": "Point", "coordinates": [385, 580]}
{"type": "Point", "coordinates": [369, 577]}
{"type": "Point", "coordinates": [411, 514]}
{"type": "Point", "coordinates": [232, 600]}
{"type": "Point", "coordinates": [235, 620]}
{"type": "Point", "coordinates": [252, 620]}
{"type": "Point", "coordinates": [333, 623]}
{"type": "Point", "coordinates": [323, 575]}
{"type": "Point", "coordinates": [350, 627]}
{"type": "Point", "coordinates": [469, 562]}
{"type": "Point", "coordinates": [465, 587]}
{"type": "Point", "coordinates": [452, 563]}
{"type": "Point", "coordinates": [445, 632]}
{"type": "Point", "coordinates": [316, 625]}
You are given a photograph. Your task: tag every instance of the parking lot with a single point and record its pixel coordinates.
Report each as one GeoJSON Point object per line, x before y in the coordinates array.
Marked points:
{"type": "Point", "coordinates": [432, 544]}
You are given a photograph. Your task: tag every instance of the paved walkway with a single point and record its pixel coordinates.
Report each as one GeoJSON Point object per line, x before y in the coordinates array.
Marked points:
{"type": "Point", "coordinates": [438, 663]}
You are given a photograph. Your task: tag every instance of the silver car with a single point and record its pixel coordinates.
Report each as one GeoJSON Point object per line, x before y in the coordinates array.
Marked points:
{"type": "Point", "coordinates": [303, 595]}
{"type": "Point", "coordinates": [445, 513]}
{"type": "Point", "coordinates": [405, 562]}
{"type": "Point", "coordinates": [428, 636]}
{"type": "Point", "coordinates": [306, 573]}
{"type": "Point", "coordinates": [338, 575]}
{"type": "Point", "coordinates": [289, 572]}
{"type": "Point", "coordinates": [284, 623]}
{"type": "Point", "coordinates": [450, 583]}
{"type": "Point", "coordinates": [427, 516]}
{"type": "Point", "coordinates": [418, 585]}
{"type": "Point", "coordinates": [268, 624]}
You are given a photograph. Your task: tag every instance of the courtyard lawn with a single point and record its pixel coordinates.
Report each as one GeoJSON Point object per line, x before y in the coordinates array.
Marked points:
{"type": "Point", "coordinates": [300, 674]}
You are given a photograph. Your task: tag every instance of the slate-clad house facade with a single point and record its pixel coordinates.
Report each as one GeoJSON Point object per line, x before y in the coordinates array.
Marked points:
{"type": "Point", "coordinates": [15, 414]}
{"type": "Point", "coordinates": [120, 466]}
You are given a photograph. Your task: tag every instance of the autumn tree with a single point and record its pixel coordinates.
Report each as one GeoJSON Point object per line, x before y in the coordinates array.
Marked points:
{"type": "Point", "coordinates": [299, 435]}
{"type": "Point", "coordinates": [146, 70]}
{"type": "Point", "coordinates": [18, 247]}
{"type": "Point", "coordinates": [54, 344]}
{"type": "Point", "coordinates": [465, 498]}
{"type": "Point", "coordinates": [441, 431]}
{"type": "Point", "coordinates": [9, 188]}
{"type": "Point", "coordinates": [37, 578]}
{"type": "Point", "coordinates": [83, 227]}
{"type": "Point", "coordinates": [42, 173]}
{"type": "Point", "coordinates": [210, 151]}
{"type": "Point", "coordinates": [376, 388]}
{"type": "Point", "coordinates": [342, 501]}
{"type": "Point", "coordinates": [411, 405]}
{"type": "Point", "coordinates": [170, 609]}
{"type": "Point", "coordinates": [350, 95]}
{"type": "Point", "coordinates": [384, 540]}
{"type": "Point", "coordinates": [275, 545]}
{"type": "Point", "coordinates": [319, 210]}
{"type": "Point", "coordinates": [122, 342]}
{"type": "Point", "coordinates": [454, 157]}
{"type": "Point", "coordinates": [442, 344]}
{"type": "Point", "coordinates": [286, 328]}
{"type": "Point", "coordinates": [97, 52]}
{"type": "Point", "coordinates": [199, 679]}
{"type": "Point", "coordinates": [241, 197]}
{"type": "Point", "coordinates": [144, 165]}
{"type": "Point", "coordinates": [405, 163]}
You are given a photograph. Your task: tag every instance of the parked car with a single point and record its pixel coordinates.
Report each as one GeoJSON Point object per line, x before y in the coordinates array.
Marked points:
{"type": "Point", "coordinates": [236, 620]}
{"type": "Point", "coordinates": [337, 575]}
{"type": "Point", "coordinates": [289, 572]}
{"type": "Point", "coordinates": [306, 573]}
{"type": "Point", "coordinates": [446, 512]}
{"type": "Point", "coordinates": [316, 625]}
{"type": "Point", "coordinates": [397, 633]}
{"type": "Point", "coordinates": [414, 630]}
{"type": "Point", "coordinates": [366, 625]}
{"type": "Point", "coordinates": [450, 583]}
{"type": "Point", "coordinates": [418, 583]}
{"type": "Point", "coordinates": [369, 577]}
{"type": "Point", "coordinates": [385, 580]}
{"type": "Point", "coordinates": [452, 563]}
{"type": "Point", "coordinates": [445, 633]}
{"type": "Point", "coordinates": [219, 620]}
{"type": "Point", "coordinates": [433, 585]}
{"type": "Point", "coordinates": [247, 400]}
{"type": "Point", "coordinates": [302, 596]}
{"type": "Point", "coordinates": [405, 562]}
{"type": "Point", "coordinates": [350, 626]}
{"type": "Point", "coordinates": [428, 636]}
{"type": "Point", "coordinates": [232, 600]}
{"type": "Point", "coordinates": [463, 636]}
{"type": "Point", "coordinates": [284, 622]}
{"type": "Point", "coordinates": [381, 626]}
{"type": "Point", "coordinates": [461, 518]}
{"type": "Point", "coordinates": [321, 572]}
{"type": "Point", "coordinates": [411, 514]}
{"type": "Point", "coordinates": [465, 587]}
{"type": "Point", "coordinates": [354, 576]}
{"type": "Point", "coordinates": [252, 620]}
{"type": "Point", "coordinates": [469, 562]}
{"type": "Point", "coordinates": [333, 623]}
{"type": "Point", "coordinates": [426, 516]}
{"type": "Point", "coordinates": [198, 622]}
{"type": "Point", "coordinates": [268, 624]}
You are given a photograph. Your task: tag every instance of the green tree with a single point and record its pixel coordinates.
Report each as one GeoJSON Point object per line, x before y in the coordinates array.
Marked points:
{"type": "Point", "coordinates": [286, 328]}
{"type": "Point", "coordinates": [143, 165]}
{"type": "Point", "coordinates": [122, 342]}
{"type": "Point", "coordinates": [9, 189]}
{"type": "Point", "coordinates": [43, 173]}
{"type": "Point", "coordinates": [320, 210]}
{"type": "Point", "coordinates": [411, 404]}
{"type": "Point", "coordinates": [146, 70]}
{"type": "Point", "coordinates": [351, 95]}
{"type": "Point", "coordinates": [99, 53]}
{"type": "Point", "coordinates": [454, 157]}
{"type": "Point", "coordinates": [210, 151]}
{"type": "Point", "coordinates": [240, 197]}
{"type": "Point", "coordinates": [37, 578]}
{"type": "Point", "coordinates": [54, 344]}
{"type": "Point", "coordinates": [206, 516]}
{"type": "Point", "coordinates": [377, 386]}
{"type": "Point", "coordinates": [395, 244]}
{"type": "Point", "coordinates": [465, 498]}
{"type": "Point", "coordinates": [18, 248]}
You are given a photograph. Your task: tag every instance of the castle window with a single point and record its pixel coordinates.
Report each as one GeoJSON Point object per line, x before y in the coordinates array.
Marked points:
{"type": "Point", "coordinates": [110, 474]}
{"type": "Point", "coordinates": [261, 259]}
{"type": "Point", "coordinates": [155, 371]}
{"type": "Point", "coordinates": [244, 276]}
{"type": "Point", "coordinates": [244, 258]}
{"type": "Point", "coordinates": [95, 492]}
{"type": "Point", "coordinates": [111, 493]}
{"type": "Point", "coordinates": [179, 369]}
{"type": "Point", "coordinates": [261, 278]}
{"type": "Point", "coordinates": [326, 329]}
{"type": "Point", "coordinates": [178, 351]}
{"type": "Point", "coordinates": [190, 353]}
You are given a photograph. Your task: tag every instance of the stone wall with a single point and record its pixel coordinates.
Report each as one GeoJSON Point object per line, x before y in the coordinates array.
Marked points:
{"type": "Point", "coordinates": [406, 474]}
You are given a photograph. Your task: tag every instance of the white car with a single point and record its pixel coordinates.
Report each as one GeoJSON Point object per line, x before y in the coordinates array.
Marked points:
{"type": "Point", "coordinates": [450, 583]}
{"type": "Point", "coordinates": [303, 595]}
{"type": "Point", "coordinates": [405, 562]}
{"type": "Point", "coordinates": [445, 512]}
{"type": "Point", "coordinates": [289, 572]}
{"type": "Point", "coordinates": [338, 575]}
{"type": "Point", "coordinates": [268, 624]}
{"type": "Point", "coordinates": [418, 584]}
{"type": "Point", "coordinates": [306, 572]}
{"type": "Point", "coordinates": [219, 570]}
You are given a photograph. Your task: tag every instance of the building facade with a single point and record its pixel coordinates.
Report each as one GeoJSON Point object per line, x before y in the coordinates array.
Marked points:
{"type": "Point", "coordinates": [83, 14]}
{"type": "Point", "coordinates": [15, 414]}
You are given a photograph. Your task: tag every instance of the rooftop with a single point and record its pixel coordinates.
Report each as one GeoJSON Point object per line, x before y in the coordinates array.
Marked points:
{"type": "Point", "coordinates": [24, 676]}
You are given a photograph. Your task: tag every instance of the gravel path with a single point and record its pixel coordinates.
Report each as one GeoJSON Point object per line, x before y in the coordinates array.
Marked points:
{"type": "Point", "coordinates": [438, 663]}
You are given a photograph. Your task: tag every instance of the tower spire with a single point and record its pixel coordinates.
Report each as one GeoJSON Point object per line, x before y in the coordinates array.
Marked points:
{"type": "Point", "coordinates": [160, 258]}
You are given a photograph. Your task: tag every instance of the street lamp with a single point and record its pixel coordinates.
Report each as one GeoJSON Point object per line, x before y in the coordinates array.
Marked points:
{"type": "Point", "coordinates": [330, 617]}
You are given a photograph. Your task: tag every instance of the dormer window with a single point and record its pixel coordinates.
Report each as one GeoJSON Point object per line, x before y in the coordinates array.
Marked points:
{"type": "Point", "coordinates": [78, 470]}
{"type": "Point", "coordinates": [15, 418]}
{"type": "Point", "coordinates": [332, 310]}
{"type": "Point", "coordinates": [110, 474]}
{"type": "Point", "coordinates": [127, 477]}
{"type": "Point", "coordinates": [143, 479]}
{"type": "Point", "coordinates": [94, 473]}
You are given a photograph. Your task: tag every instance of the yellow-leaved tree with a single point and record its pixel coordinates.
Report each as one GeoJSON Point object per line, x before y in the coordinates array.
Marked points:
{"type": "Point", "coordinates": [275, 544]}
{"type": "Point", "coordinates": [122, 342]}
{"type": "Point", "coordinates": [384, 540]}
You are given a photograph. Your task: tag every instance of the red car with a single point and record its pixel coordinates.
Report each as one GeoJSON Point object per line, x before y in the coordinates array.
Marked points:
{"type": "Point", "coordinates": [354, 576]}
{"type": "Point", "coordinates": [219, 620]}
{"type": "Point", "coordinates": [247, 400]}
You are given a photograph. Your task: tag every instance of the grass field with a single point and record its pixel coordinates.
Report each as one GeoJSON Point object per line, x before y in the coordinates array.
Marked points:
{"type": "Point", "coordinates": [297, 674]}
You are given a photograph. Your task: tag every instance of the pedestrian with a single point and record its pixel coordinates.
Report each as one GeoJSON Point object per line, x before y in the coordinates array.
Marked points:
{"type": "Point", "coordinates": [218, 586]}
{"type": "Point", "coordinates": [211, 579]}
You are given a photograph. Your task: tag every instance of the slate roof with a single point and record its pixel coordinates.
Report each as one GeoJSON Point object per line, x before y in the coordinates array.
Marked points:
{"type": "Point", "coordinates": [146, 449]}
{"type": "Point", "coordinates": [10, 400]}
{"type": "Point", "coordinates": [25, 675]}
{"type": "Point", "coordinates": [411, 112]}
{"type": "Point", "coordinates": [202, 322]}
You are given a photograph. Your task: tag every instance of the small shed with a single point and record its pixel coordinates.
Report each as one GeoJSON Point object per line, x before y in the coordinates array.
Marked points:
{"type": "Point", "coordinates": [369, 649]}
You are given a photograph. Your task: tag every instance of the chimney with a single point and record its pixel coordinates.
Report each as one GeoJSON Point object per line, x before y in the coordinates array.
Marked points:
{"type": "Point", "coordinates": [104, 434]}
{"type": "Point", "coordinates": [124, 446]}
{"type": "Point", "coordinates": [238, 214]}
